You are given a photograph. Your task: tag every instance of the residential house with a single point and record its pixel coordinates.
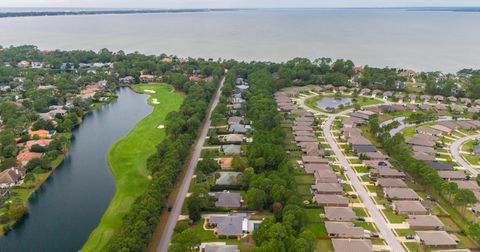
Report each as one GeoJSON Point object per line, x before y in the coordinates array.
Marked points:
{"type": "Point", "coordinates": [401, 194]}
{"type": "Point", "coordinates": [235, 120]}
{"type": "Point", "coordinates": [331, 200]}
{"type": "Point", "coordinates": [42, 134]}
{"type": "Point", "coordinates": [218, 247]}
{"type": "Point", "coordinates": [467, 184]}
{"type": "Point", "coordinates": [325, 176]}
{"type": "Point", "coordinates": [233, 138]}
{"type": "Point", "coordinates": [225, 163]}
{"type": "Point", "coordinates": [344, 230]}
{"type": "Point", "coordinates": [349, 245]}
{"type": "Point", "coordinates": [391, 183]}
{"type": "Point", "coordinates": [424, 222]}
{"type": "Point", "coordinates": [436, 239]}
{"type": "Point", "coordinates": [11, 177]}
{"type": "Point", "coordinates": [312, 168]}
{"type": "Point", "coordinates": [228, 178]}
{"type": "Point", "coordinates": [440, 166]}
{"type": "Point", "coordinates": [314, 160]}
{"type": "Point", "coordinates": [410, 207]}
{"type": "Point", "coordinates": [228, 199]}
{"type": "Point", "coordinates": [452, 175]}
{"type": "Point", "coordinates": [427, 130]}
{"type": "Point", "coordinates": [231, 149]}
{"type": "Point", "coordinates": [340, 214]}
{"type": "Point", "coordinates": [327, 188]}
{"type": "Point", "coordinates": [387, 173]}
{"type": "Point", "coordinates": [237, 128]}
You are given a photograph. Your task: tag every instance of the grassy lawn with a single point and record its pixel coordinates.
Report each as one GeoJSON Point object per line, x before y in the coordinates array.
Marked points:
{"type": "Point", "coordinates": [313, 214]}
{"type": "Point", "coordinates": [127, 159]}
{"type": "Point", "coordinates": [318, 229]}
{"type": "Point", "coordinates": [324, 245]}
{"type": "Point", "coordinates": [404, 232]}
{"type": "Point", "coordinates": [360, 211]}
{"type": "Point", "coordinates": [413, 246]}
{"type": "Point", "coordinates": [394, 218]}
{"type": "Point", "coordinates": [305, 179]}
{"type": "Point", "coordinates": [303, 189]}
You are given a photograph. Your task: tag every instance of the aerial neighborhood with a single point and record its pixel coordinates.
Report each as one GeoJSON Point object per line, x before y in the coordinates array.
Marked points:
{"type": "Point", "coordinates": [298, 156]}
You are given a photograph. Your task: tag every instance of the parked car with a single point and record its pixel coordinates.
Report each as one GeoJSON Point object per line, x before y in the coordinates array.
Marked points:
{"type": "Point", "coordinates": [409, 237]}
{"type": "Point", "coordinates": [375, 235]}
{"type": "Point", "coordinates": [360, 219]}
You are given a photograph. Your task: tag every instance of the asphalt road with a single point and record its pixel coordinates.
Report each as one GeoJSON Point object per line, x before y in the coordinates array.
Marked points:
{"type": "Point", "coordinates": [382, 226]}
{"type": "Point", "coordinates": [455, 151]}
{"type": "Point", "coordinates": [182, 193]}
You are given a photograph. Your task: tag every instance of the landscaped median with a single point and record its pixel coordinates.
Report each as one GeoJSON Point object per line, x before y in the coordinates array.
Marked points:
{"type": "Point", "coordinates": [128, 160]}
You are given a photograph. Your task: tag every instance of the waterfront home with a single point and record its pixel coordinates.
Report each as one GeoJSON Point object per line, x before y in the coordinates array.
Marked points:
{"type": "Point", "coordinates": [387, 95]}
{"type": "Point", "coordinates": [376, 92]}
{"type": "Point", "coordinates": [327, 188]}
{"type": "Point", "coordinates": [425, 107]}
{"type": "Point", "coordinates": [42, 134]}
{"type": "Point", "coordinates": [331, 200]}
{"type": "Point", "coordinates": [11, 177]}
{"type": "Point", "coordinates": [401, 194]}
{"type": "Point", "coordinates": [452, 175]}
{"type": "Point", "coordinates": [26, 156]}
{"type": "Point", "coordinates": [440, 107]}
{"type": "Point", "coordinates": [391, 183]}
{"type": "Point", "coordinates": [365, 91]}
{"type": "Point", "coordinates": [410, 207]}
{"type": "Point", "coordinates": [424, 222]}
{"type": "Point", "coordinates": [348, 245]}
{"type": "Point", "coordinates": [228, 199]}
{"type": "Point", "coordinates": [457, 108]}
{"type": "Point", "coordinates": [340, 214]}
{"type": "Point", "coordinates": [344, 230]}
{"type": "Point", "coordinates": [412, 107]}
{"type": "Point", "coordinates": [436, 239]}
{"type": "Point", "coordinates": [28, 145]}
{"type": "Point", "coordinates": [127, 80]}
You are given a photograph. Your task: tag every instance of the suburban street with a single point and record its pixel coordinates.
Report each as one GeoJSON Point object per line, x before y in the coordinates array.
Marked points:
{"type": "Point", "coordinates": [182, 193]}
{"type": "Point", "coordinates": [455, 151]}
{"type": "Point", "coordinates": [378, 219]}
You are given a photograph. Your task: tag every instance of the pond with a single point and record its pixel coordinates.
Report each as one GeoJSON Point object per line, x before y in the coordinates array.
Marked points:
{"type": "Point", "coordinates": [332, 103]}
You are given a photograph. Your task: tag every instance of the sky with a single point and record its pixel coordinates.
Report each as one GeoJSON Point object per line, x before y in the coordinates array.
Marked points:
{"type": "Point", "coordinates": [234, 3]}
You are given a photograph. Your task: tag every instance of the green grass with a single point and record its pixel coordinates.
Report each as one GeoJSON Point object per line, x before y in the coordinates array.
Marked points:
{"type": "Point", "coordinates": [324, 245]}
{"type": "Point", "coordinates": [317, 229]}
{"type": "Point", "coordinates": [313, 214]}
{"type": "Point", "coordinates": [127, 159]}
{"type": "Point", "coordinates": [404, 232]}
{"type": "Point", "coordinates": [394, 218]}
{"type": "Point", "coordinates": [360, 212]}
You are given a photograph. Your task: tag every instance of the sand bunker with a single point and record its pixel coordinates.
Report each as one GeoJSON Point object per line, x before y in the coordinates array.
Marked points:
{"type": "Point", "coordinates": [155, 101]}
{"type": "Point", "coordinates": [161, 126]}
{"type": "Point", "coordinates": [149, 91]}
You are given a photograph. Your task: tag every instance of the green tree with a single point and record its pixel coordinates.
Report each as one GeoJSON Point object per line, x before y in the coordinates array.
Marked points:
{"type": "Point", "coordinates": [255, 199]}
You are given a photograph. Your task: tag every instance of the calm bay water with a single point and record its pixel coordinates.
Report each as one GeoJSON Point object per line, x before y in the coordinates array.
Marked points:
{"type": "Point", "coordinates": [422, 40]}
{"type": "Point", "coordinates": [64, 211]}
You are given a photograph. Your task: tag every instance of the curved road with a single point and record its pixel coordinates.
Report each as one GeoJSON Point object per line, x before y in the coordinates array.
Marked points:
{"type": "Point", "coordinates": [455, 151]}
{"type": "Point", "coordinates": [378, 219]}
{"type": "Point", "coordinates": [182, 193]}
